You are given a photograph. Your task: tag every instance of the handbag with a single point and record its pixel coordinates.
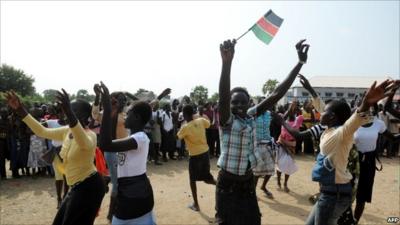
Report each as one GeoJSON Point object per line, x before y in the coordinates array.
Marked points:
{"type": "Point", "coordinates": [48, 156]}
{"type": "Point", "coordinates": [323, 171]}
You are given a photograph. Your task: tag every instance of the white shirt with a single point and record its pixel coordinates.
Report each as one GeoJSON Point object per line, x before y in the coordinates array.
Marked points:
{"type": "Point", "coordinates": [365, 138]}
{"type": "Point", "coordinates": [133, 162]}
{"type": "Point", "coordinates": [167, 121]}
{"type": "Point", "coordinates": [54, 124]}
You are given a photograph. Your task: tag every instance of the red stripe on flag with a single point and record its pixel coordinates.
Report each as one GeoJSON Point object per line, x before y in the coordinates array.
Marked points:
{"type": "Point", "coordinates": [267, 26]}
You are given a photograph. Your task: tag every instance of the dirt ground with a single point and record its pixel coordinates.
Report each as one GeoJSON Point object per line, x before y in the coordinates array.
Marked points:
{"type": "Point", "coordinates": [33, 200]}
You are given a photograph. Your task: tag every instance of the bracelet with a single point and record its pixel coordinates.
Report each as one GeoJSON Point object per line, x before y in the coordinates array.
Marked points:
{"type": "Point", "coordinates": [302, 62]}
{"type": "Point", "coordinates": [363, 114]}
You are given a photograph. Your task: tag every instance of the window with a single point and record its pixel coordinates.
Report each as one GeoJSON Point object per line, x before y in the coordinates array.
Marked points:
{"type": "Point", "coordinates": [304, 94]}
{"type": "Point", "coordinates": [339, 94]}
{"type": "Point", "coordinates": [328, 94]}
{"type": "Point", "coordinates": [351, 95]}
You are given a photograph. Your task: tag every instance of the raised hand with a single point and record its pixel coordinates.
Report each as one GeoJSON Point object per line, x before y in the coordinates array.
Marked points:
{"type": "Point", "coordinates": [105, 99]}
{"type": "Point", "coordinates": [389, 100]}
{"type": "Point", "coordinates": [227, 50]}
{"type": "Point", "coordinates": [96, 89]}
{"type": "Point", "coordinates": [302, 50]}
{"type": "Point", "coordinates": [378, 92]}
{"type": "Point", "coordinates": [64, 102]}
{"type": "Point", "coordinates": [15, 103]}
{"type": "Point", "coordinates": [304, 82]}
{"type": "Point", "coordinates": [13, 100]}
{"type": "Point", "coordinates": [166, 92]}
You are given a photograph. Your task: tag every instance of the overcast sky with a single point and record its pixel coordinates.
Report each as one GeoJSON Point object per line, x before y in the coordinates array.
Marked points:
{"type": "Point", "coordinates": [154, 45]}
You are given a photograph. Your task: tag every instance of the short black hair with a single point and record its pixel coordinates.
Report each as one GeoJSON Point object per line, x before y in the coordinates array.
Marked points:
{"type": "Point", "coordinates": [188, 110]}
{"type": "Point", "coordinates": [342, 111]}
{"type": "Point", "coordinates": [240, 89]}
{"type": "Point", "coordinates": [143, 109]}
{"type": "Point", "coordinates": [86, 109]}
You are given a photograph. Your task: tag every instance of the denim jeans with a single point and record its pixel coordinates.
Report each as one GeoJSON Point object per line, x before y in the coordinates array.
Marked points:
{"type": "Point", "coordinates": [112, 164]}
{"type": "Point", "coordinates": [146, 219]}
{"type": "Point", "coordinates": [328, 209]}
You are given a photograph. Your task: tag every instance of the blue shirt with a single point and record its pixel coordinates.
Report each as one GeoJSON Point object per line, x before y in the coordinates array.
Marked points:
{"type": "Point", "coordinates": [238, 145]}
{"type": "Point", "coordinates": [263, 122]}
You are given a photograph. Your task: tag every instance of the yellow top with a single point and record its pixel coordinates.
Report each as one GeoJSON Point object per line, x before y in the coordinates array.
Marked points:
{"type": "Point", "coordinates": [307, 116]}
{"type": "Point", "coordinates": [336, 144]}
{"type": "Point", "coordinates": [77, 151]}
{"type": "Point", "coordinates": [194, 134]}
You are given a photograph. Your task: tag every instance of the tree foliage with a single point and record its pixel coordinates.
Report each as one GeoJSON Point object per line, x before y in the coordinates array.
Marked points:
{"type": "Point", "coordinates": [214, 97]}
{"type": "Point", "coordinates": [199, 94]}
{"type": "Point", "coordinates": [11, 78]}
{"type": "Point", "coordinates": [49, 95]}
{"type": "Point", "coordinates": [144, 94]}
{"type": "Point", "coordinates": [84, 95]}
{"type": "Point", "coordinates": [269, 86]}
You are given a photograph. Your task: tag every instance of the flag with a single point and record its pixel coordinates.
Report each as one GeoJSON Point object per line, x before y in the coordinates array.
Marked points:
{"type": "Point", "coordinates": [267, 27]}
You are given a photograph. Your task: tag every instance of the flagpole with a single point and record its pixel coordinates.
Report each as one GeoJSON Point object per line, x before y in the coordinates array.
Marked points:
{"type": "Point", "coordinates": [237, 39]}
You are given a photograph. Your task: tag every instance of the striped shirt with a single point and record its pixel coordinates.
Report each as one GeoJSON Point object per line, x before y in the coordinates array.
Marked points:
{"type": "Point", "coordinates": [238, 153]}
{"type": "Point", "coordinates": [316, 131]}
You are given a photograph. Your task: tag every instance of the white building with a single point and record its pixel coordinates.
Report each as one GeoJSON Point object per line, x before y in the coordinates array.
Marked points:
{"type": "Point", "coordinates": [332, 87]}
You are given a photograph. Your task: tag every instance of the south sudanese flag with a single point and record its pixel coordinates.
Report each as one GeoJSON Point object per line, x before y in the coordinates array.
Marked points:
{"type": "Point", "coordinates": [266, 27]}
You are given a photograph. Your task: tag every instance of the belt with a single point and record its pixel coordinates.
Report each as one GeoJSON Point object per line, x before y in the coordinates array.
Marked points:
{"type": "Point", "coordinates": [79, 182]}
{"type": "Point", "coordinates": [338, 194]}
{"type": "Point", "coordinates": [337, 189]}
{"type": "Point", "coordinates": [269, 143]}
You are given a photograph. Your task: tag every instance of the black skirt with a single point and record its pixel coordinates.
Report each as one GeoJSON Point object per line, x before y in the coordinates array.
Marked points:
{"type": "Point", "coordinates": [135, 197]}
{"type": "Point", "coordinates": [199, 167]}
{"type": "Point", "coordinates": [236, 200]}
{"type": "Point", "coordinates": [367, 175]}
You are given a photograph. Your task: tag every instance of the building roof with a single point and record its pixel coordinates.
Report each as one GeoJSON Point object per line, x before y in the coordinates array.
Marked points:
{"type": "Point", "coordinates": [343, 81]}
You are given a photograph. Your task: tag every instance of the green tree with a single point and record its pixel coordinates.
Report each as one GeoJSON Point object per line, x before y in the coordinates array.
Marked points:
{"type": "Point", "coordinates": [214, 97]}
{"type": "Point", "coordinates": [11, 78]}
{"type": "Point", "coordinates": [84, 95]}
{"type": "Point", "coordinates": [199, 94]}
{"type": "Point", "coordinates": [144, 94]}
{"type": "Point", "coordinates": [269, 86]}
{"type": "Point", "coordinates": [49, 95]}
{"type": "Point", "coordinates": [31, 99]}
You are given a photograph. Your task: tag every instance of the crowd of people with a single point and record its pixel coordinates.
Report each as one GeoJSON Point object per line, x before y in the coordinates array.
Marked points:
{"type": "Point", "coordinates": [252, 138]}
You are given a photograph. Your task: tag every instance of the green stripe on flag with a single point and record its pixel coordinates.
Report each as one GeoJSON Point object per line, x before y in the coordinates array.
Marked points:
{"type": "Point", "coordinates": [261, 34]}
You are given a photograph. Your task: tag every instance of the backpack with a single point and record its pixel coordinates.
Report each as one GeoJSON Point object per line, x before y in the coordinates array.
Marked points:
{"type": "Point", "coordinates": [323, 170]}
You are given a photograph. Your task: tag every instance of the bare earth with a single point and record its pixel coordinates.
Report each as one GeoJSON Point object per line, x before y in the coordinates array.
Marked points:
{"type": "Point", "coordinates": [33, 201]}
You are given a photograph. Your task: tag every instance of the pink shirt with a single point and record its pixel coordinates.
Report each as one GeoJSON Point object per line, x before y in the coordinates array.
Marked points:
{"type": "Point", "coordinates": [295, 124]}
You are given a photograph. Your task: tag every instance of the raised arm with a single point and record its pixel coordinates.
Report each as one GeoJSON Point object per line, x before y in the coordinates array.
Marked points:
{"type": "Point", "coordinates": [97, 116]}
{"type": "Point", "coordinates": [164, 93]}
{"type": "Point", "coordinates": [292, 131]}
{"type": "Point", "coordinates": [373, 95]}
{"type": "Point", "coordinates": [49, 133]}
{"type": "Point", "coordinates": [131, 96]}
{"type": "Point", "coordinates": [106, 142]}
{"type": "Point", "coordinates": [388, 107]}
{"type": "Point", "coordinates": [280, 91]}
{"type": "Point", "coordinates": [317, 102]}
{"type": "Point", "coordinates": [227, 50]}
{"type": "Point", "coordinates": [84, 141]}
